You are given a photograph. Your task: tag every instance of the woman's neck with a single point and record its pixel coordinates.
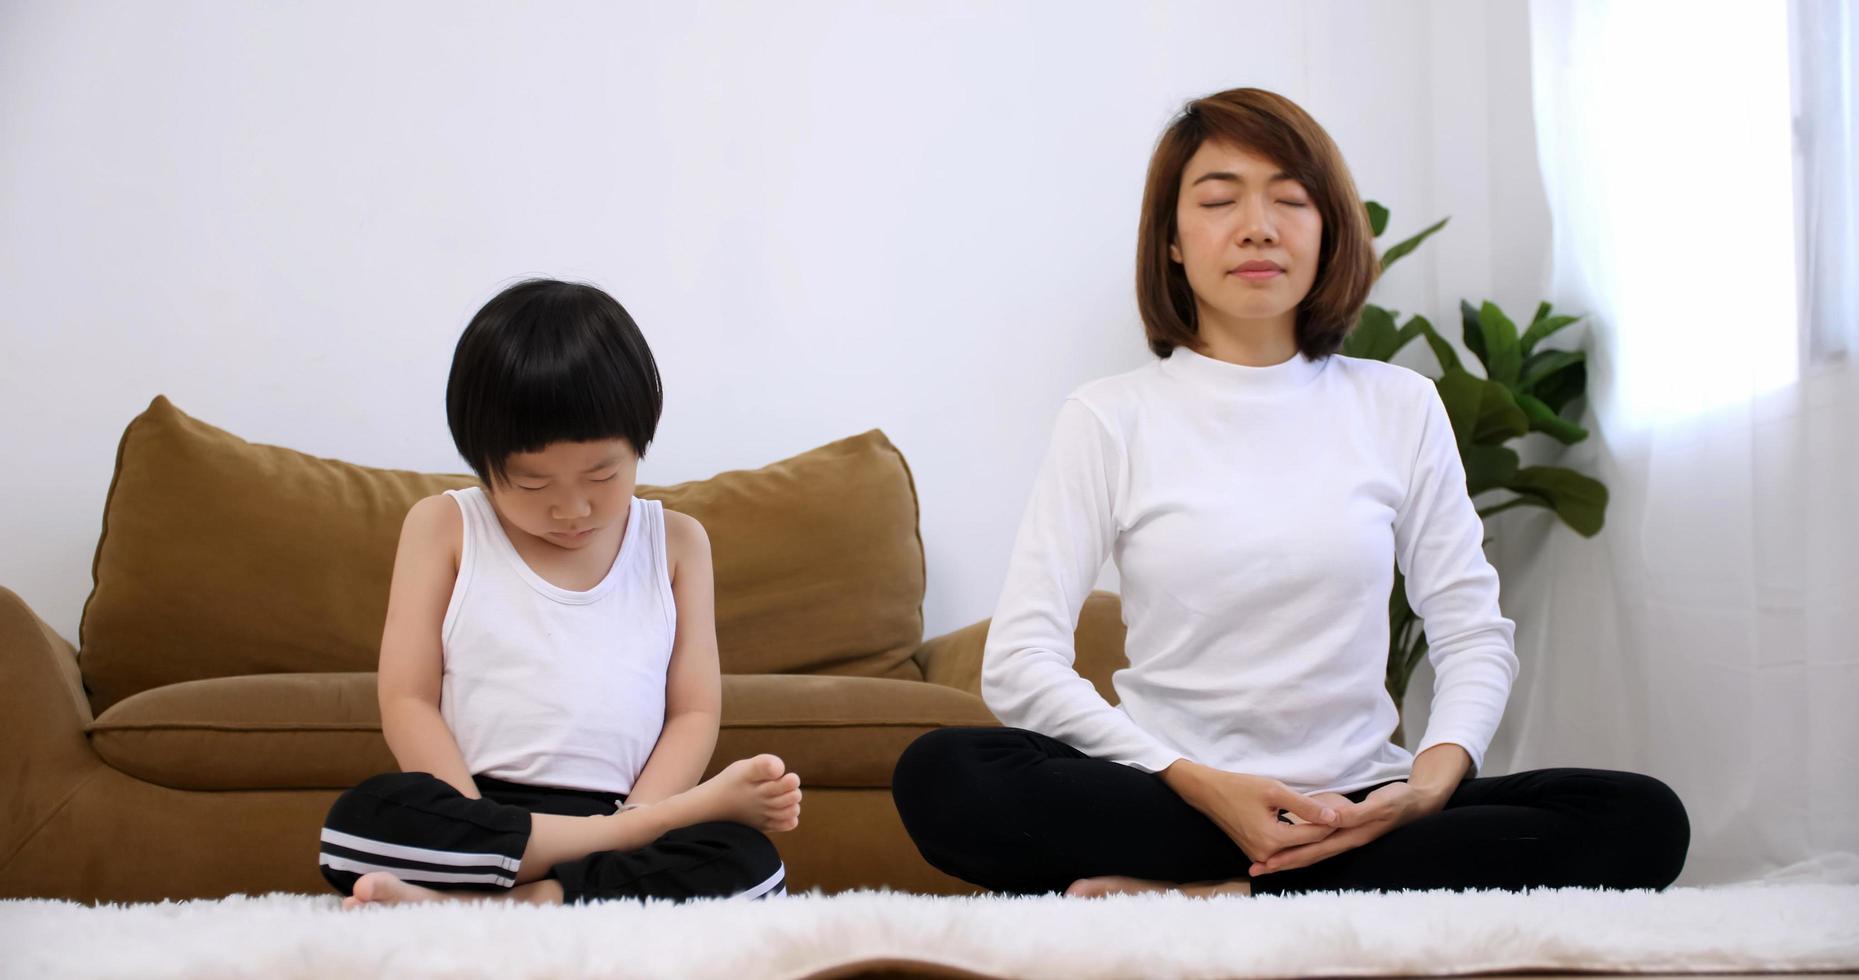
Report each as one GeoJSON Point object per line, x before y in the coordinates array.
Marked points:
{"type": "Point", "coordinates": [1250, 343]}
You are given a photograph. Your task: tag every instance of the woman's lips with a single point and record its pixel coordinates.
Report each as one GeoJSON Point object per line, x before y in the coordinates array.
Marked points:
{"type": "Point", "coordinates": [1258, 275]}
{"type": "Point", "coordinates": [1257, 270]}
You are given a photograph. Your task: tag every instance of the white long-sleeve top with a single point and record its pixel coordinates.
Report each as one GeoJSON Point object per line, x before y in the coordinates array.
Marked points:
{"type": "Point", "coordinates": [1255, 516]}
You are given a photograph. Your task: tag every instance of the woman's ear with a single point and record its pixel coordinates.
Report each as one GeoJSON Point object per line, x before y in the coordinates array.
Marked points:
{"type": "Point", "coordinates": [1174, 252]}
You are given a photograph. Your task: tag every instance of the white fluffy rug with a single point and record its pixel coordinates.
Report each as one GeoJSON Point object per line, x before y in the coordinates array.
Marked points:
{"type": "Point", "coordinates": [1737, 929]}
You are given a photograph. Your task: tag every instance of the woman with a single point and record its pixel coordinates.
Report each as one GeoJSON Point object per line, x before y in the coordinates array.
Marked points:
{"type": "Point", "coordinates": [1256, 490]}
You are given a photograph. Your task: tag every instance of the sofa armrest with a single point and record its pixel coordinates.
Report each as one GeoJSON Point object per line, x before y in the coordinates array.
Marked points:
{"type": "Point", "coordinates": [43, 717]}
{"type": "Point", "coordinates": [954, 659]}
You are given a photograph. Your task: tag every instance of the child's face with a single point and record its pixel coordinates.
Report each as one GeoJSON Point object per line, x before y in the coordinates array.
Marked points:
{"type": "Point", "coordinates": [567, 492]}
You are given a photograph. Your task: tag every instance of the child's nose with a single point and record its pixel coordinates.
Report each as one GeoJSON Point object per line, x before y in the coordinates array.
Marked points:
{"type": "Point", "coordinates": [572, 509]}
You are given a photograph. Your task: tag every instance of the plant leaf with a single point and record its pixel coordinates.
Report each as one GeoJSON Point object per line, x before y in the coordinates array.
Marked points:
{"type": "Point", "coordinates": [1474, 334]}
{"type": "Point", "coordinates": [1377, 218]}
{"type": "Point", "coordinates": [1482, 412]}
{"type": "Point", "coordinates": [1543, 326]}
{"type": "Point", "coordinates": [1462, 394]}
{"type": "Point", "coordinates": [1394, 254]}
{"type": "Point", "coordinates": [1414, 327]}
{"type": "Point", "coordinates": [1397, 600]}
{"type": "Point", "coordinates": [1581, 501]}
{"type": "Point", "coordinates": [1542, 364]}
{"type": "Point", "coordinates": [1559, 389]}
{"type": "Point", "coordinates": [1499, 418]}
{"type": "Point", "coordinates": [1488, 467]}
{"type": "Point", "coordinates": [1503, 353]}
{"type": "Point", "coordinates": [1448, 358]}
{"type": "Point", "coordinates": [1520, 500]}
{"type": "Point", "coordinates": [1374, 336]}
{"type": "Point", "coordinates": [1543, 419]}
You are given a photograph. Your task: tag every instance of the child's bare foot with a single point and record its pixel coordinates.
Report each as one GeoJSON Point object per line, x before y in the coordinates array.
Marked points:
{"type": "Point", "coordinates": [379, 887]}
{"type": "Point", "coordinates": [1121, 885]}
{"type": "Point", "coordinates": [382, 888]}
{"type": "Point", "coordinates": [758, 792]}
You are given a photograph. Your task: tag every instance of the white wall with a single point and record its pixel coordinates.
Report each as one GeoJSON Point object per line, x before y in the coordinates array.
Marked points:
{"type": "Point", "coordinates": [826, 217]}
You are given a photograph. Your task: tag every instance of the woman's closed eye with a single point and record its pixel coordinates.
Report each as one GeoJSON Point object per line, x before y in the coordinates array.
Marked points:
{"type": "Point", "coordinates": [1287, 203]}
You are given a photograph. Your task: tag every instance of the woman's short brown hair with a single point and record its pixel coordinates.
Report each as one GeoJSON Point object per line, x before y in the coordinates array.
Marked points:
{"type": "Point", "coordinates": [1273, 127]}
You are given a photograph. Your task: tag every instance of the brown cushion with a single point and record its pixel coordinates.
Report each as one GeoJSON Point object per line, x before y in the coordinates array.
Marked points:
{"type": "Point", "coordinates": [223, 558]}
{"type": "Point", "coordinates": [264, 731]}
{"type": "Point", "coordinates": [818, 564]}
{"type": "Point", "coordinates": [323, 730]}
{"type": "Point", "coordinates": [843, 732]}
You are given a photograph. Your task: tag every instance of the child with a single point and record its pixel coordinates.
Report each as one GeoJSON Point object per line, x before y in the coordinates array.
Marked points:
{"type": "Point", "coordinates": [549, 681]}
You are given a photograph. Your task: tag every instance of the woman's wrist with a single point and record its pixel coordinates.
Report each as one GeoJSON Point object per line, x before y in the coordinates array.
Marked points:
{"type": "Point", "coordinates": [1179, 773]}
{"type": "Point", "coordinates": [1186, 777]}
{"type": "Point", "coordinates": [1437, 773]}
{"type": "Point", "coordinates": [1429, 799]}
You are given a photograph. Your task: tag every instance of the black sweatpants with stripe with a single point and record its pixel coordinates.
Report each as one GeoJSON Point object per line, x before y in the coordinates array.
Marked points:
{"type": "Point", "coordinates": [1015, 811]}
{"type": "Point", "coordinates": [417, 827]}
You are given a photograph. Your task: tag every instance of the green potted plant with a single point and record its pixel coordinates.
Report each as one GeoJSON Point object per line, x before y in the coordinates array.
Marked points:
{"type": "Point", "coordinates": [1525, 388]}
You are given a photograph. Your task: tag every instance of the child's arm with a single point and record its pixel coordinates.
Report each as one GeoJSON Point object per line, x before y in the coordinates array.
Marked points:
{"type": "Point", "coordinates": [412, 662]}
{"type": "Point", "coordinates": [693, 681]}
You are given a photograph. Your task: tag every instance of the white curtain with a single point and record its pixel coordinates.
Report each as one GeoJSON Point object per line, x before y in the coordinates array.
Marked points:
{"type": "Point", "coordinates": [1710, 634]}
{"type": "Point", "coordinates": [1826, 112]}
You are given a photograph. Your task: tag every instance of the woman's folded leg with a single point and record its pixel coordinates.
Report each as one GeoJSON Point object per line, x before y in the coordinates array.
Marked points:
{"type": "Point", "coordinates": [1015, 811]}
{"type": "Point", "coordinates": [1544, 828]}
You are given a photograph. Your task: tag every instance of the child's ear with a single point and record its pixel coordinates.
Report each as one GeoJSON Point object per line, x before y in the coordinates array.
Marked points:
{"type": "Point", "coordinates": [1174, 252]}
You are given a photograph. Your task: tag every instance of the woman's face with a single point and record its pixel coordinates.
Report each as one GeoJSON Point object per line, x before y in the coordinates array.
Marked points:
{"type": "Point", "coordinates": [1247, 236]}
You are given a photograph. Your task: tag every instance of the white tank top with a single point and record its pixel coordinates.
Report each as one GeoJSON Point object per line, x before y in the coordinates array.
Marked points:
{"type": "Point", "coordinates": [546, 686]}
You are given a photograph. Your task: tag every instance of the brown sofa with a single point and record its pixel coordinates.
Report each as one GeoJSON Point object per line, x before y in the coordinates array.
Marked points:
{"type": "Point", "coordinates": [224, 692]}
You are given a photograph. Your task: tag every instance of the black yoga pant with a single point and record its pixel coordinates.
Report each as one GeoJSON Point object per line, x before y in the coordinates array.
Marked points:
{"type": "Point", "coordinates": [1014, 811]}
{"type": "Point", "coordinates": [422, 830]}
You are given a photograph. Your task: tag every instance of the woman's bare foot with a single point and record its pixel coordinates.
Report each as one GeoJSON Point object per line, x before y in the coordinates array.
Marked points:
{"type": "Point", "coordinates": [1115, 885]}
{"type": "Point", "coordinates": [1121, 885]}
{"type": "Point", "coordinates": [381, 888]}
{"type": "Point", "coordinates": [757, 792]}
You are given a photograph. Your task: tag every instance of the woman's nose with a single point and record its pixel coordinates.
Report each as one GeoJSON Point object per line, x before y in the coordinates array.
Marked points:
{"type": "Point", "coordinates": [1255, 224]}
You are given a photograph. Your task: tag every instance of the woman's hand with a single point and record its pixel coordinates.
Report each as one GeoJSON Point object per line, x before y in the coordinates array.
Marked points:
{"type": "Point", "coordinates": [1436, 774]}
{"type": "Point", "coordinates": [1247, 807]}
{"type": "Point", "coordinates": [1356, 824]}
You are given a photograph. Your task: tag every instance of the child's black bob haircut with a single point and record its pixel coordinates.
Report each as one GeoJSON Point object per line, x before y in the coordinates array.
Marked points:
{"type": "Point", "coordinates": [547, 361]}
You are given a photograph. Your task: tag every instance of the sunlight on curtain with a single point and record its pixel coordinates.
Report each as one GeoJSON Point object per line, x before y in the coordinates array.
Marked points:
{"type": "Point", "coordinates": [1826, 85]}
{"type": "Point", "coordinates": [1709, 635]}
{"type": "Point", "coordinates": [1677, 114]}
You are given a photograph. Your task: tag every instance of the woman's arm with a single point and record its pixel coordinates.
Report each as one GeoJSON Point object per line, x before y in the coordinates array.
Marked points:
{"type": "Point", "coordinates": [1027, 677]}
{"type": "Point", "coordinates": [693, 682]}
{"type": "Point", "coordinates": [412, 661]}
{"type": "Point", "coordinates": [1439, 545]}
